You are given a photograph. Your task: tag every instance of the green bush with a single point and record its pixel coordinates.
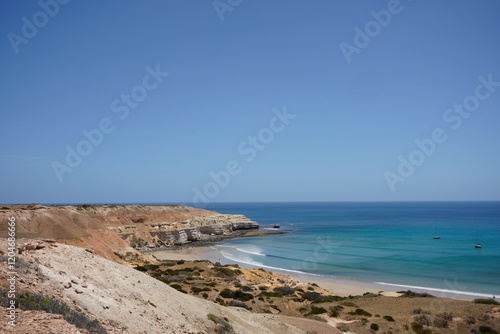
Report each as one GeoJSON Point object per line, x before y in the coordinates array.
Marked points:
{"type": "Point", "coordinates": [419, 329]}
{"type": "Point", "coordinates": [239, 304]}
{"type": "Point", "coordinates": [389, 318]}
{"type": "Point", "coordinates": [270, 294]}
{"type": "Point", "coordinates": [225, 272]}
{"type": "Point", "coordinates": [374, 327]}
{"type": "Point", "coordinates": [243, 296]}
{"type": "Point", "coordinates": [284, 290]}
{"type": "Point", "coordinates": [334, 313]}
{"type": "Point", "coordinates": [412, 294]}
{"type": "Point", "coordinates": [178, 288]}
{"type": "Point", "coordinates": [238, 294]}
{"type": "Point", "coordinates": [313, 296]}
{"type": "Point", "coordinates": [226, 293]}
{"type": "Point", "coordinates": [263, 288]}
{"type": "Point", "coordinates": [490, 301]}
{"type": "Point", "coordinates": [360, 312]}
{"type": "Point", "coordinates": [196, 290]}
{"type": "Point", "coordinates": [317, 310]}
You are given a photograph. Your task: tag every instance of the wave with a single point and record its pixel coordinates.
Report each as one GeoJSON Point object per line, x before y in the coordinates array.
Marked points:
{"type": "Point", "coordinates": [253, 252]}
{"type": "Point", "coordinates": [444, 292]}
{"type": "Point", "coordinates": [455, 292]}
{"type": "Point", "coordinates": [251, 262]}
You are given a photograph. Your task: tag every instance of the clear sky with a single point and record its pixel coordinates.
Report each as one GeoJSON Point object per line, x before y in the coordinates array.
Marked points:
{"type": "Point", "coordinates": [263, 101]}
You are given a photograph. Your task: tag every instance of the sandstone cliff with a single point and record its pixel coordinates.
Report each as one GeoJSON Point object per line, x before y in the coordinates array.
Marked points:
{"type": "Point", "coordinates": [108, 229]}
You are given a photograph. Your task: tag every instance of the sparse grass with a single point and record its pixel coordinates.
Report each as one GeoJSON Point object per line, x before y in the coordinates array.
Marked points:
{"type": "Point", "coordinates": [317, 318]}
{"type": "Point", "coordinates": [32, 301]}
{"type": "Point", "coordinates": [343, 327]}
{"type": "Point", "coordinates": [442, 320]}
{"type": "Point", "coordinates": [420, 311]}
{"type": "Point", "coordinates": [225, 272]}
{"type": "Point", "coordinates": [423, 320]}
{"type": "Point", "coordinates": [221, 325]}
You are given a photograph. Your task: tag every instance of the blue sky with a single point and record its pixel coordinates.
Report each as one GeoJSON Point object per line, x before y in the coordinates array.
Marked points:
{"type": "Point", "coordinates": [228, 79]}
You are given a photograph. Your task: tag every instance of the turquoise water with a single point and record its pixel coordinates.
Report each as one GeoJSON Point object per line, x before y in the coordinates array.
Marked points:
{"type": "Point", "coordinates": [377, 242]}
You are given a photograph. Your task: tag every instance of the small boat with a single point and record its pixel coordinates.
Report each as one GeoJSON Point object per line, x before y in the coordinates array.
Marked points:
{"type": "Point", "coordinates": [276, 226]}
{"type": "Point", "coordinates": [478, 244]}
{"type": "Point", "coordinates": [436, 236]}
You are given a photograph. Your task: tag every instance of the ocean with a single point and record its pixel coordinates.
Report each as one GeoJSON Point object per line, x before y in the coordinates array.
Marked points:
{"type": "Point", "coordinates": [391, 244]}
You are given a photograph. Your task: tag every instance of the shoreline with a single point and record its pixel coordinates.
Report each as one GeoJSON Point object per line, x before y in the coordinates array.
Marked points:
{"type": "Point", "coordinates": [339, 286]}
{"type": "Point", "coordinates": [213, 239]}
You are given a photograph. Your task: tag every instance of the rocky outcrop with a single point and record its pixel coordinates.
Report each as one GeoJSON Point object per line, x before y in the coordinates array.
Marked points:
{"type": "Point", "coordinates": [116, 228]}
{"type": "Point", "coordinates": [178, 233]}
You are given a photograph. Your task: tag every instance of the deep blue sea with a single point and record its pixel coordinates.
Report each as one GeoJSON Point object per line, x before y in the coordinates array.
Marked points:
{"type": "Point", "coordinates": [377, 242]}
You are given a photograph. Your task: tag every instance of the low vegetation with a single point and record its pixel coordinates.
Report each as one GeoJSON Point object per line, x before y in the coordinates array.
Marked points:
{"type": "Point", "coordinates": [228, 285]}
{"type": "Point", "coordinates": [34, 302]}
{"type": "Point", "coordinates": [490, 301]}
{"type": "Point", "coordinates": [222, 326]}
{"type": "Point", "coordinates": [413, 294]}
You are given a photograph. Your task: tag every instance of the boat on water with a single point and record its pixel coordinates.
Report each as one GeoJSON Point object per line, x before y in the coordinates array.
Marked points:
{"type": "Point", "coordinates": [276, 226]}
{"type": "Point", "coordinates": [436, 236]}
{"type": "Point", "coordinates": [478, 244]}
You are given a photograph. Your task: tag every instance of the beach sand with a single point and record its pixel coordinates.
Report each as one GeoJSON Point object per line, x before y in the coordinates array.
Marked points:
{"type": "Point", "coordinates": [339, 286]}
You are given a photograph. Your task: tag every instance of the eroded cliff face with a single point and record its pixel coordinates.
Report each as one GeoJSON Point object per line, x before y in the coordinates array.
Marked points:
{"type": "Point", "coordinates": [116, 228]}
{"type": "Point", "coordinates": [143, 234]}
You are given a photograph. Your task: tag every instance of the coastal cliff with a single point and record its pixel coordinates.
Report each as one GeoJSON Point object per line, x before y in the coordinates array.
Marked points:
{"type": "Point", "coordinates": [202, 228]}
{"type": "Point", "coordinates": [110, 229]}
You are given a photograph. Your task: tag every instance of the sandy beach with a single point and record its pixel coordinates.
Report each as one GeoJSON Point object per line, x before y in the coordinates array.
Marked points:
{"type": "Point", "coordinates": [339, 286]}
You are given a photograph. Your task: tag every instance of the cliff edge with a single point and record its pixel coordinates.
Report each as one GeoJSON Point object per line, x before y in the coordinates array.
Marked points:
{"type": "Point", "coordinates": [110, 229]}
